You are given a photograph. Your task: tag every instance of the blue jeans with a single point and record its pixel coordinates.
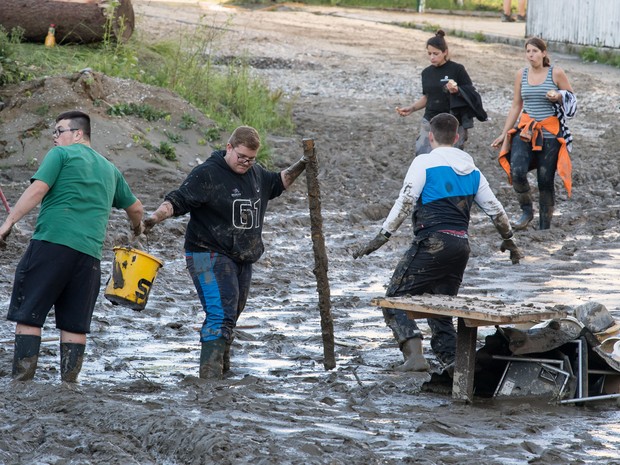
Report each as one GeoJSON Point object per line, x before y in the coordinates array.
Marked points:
{"type": "Point", "coordinates": [432, 265]}
{"type": "Point", "coordinates": [223, 286]}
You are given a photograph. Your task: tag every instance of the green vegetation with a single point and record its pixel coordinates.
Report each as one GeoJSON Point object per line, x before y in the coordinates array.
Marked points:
{"type": "Point", "coordinates": [143, 111]}
{"type": "Point", "coordinates": [593, 55]}
{"type": "Point", "coordinates": [230, 95]}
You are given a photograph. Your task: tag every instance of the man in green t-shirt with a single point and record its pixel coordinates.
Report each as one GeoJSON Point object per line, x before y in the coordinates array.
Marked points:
{"type": "Point", "coordinates": [77, 189]}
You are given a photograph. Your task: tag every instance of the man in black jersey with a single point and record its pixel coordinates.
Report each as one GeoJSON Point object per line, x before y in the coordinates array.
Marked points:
{"type": "Point", "coordinates": [226, 198]}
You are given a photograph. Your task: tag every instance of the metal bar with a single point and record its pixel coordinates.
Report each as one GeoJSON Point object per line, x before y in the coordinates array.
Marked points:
{"type": "Point", "coordinates": [528, 359]}
{"type": "Point", "coordinates": [587, 399]}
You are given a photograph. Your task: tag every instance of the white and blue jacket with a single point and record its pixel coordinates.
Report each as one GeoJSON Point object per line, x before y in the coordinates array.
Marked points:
{"type": "Point", "coordinates": [440, 187]}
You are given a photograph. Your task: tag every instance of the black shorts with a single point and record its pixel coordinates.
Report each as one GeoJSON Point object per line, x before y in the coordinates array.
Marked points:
{"type": "Point", "coordinates": [59, 276]}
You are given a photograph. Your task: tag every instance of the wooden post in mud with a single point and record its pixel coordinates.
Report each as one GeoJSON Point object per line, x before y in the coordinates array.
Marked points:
{"type": "Point", "coordinates": [320, 255]}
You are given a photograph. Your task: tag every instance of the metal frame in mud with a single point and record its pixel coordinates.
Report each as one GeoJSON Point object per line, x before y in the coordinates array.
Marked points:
{"type": "Point", "coordinates": [471, 312]}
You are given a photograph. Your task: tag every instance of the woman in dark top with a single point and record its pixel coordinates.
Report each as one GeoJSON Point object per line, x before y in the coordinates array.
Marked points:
{"type": "Point", "coordinates": [439, 80]}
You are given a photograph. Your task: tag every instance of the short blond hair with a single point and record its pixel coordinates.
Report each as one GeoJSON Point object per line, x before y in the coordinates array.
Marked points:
{"type": "Point", "coordinates": [246, 136]}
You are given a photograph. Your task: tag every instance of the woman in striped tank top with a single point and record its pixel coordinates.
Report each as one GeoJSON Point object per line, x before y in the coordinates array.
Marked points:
{"type": "Point", "coordinates": [533, 137]}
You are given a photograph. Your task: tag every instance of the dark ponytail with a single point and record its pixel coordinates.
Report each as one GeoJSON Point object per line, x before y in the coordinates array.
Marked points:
{"type": "Point", "coordinates": [438, 41]}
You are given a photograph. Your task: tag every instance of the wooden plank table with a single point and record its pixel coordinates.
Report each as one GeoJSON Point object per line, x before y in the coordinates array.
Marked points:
{"type": "Point", "coordinates": [471, 313]}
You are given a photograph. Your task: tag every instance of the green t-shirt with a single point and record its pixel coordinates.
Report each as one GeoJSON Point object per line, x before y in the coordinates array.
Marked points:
{"type": "Point", "coordinates": [84, 187]}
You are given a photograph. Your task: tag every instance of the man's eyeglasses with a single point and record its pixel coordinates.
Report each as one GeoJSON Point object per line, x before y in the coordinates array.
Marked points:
{"type": "Point", "coordinates": [58, 131]}
{"type": "Point", "coordinates": [243, 159]}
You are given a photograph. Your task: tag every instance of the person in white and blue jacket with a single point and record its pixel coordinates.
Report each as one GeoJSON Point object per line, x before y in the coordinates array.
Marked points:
{"type": "Point", "coordinates": [440, 188]}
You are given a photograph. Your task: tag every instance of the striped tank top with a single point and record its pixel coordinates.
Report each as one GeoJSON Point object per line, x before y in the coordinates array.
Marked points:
{"type": "Point", "coordinates": [535, 102]}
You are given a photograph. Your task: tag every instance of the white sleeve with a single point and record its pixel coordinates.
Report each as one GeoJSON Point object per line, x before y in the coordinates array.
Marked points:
{"type": "Point", "coordinates": [408, 196]}
{"type": "Point", "coordinates": [485, 198]}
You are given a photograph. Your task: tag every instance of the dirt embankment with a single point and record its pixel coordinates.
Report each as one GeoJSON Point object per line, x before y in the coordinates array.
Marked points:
{"type": "Point", "coordinates": [139, 400]}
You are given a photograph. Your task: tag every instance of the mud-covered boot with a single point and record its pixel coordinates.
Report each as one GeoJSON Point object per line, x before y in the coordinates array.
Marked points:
{"type": "Point", "coordinates": [525, 201]}
{"type": "Point", "coordinates": [226, 360]}
{"type": "Point", "coordinates": [71, 358]}
{"type": "Point", "coordinates": [546, 209]}
{"type": "Point", "coordinates": [414, 358]}
{"type": "Point", "coordinates": [26, 356]}
{"type": "Point", "coordinates": [212, 359]}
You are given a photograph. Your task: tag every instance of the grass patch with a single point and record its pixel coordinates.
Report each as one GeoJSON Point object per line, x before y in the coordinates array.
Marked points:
{"type": "Point", "coordinates": [592, 55]}
{"type": "Point", "coordinates": [143, 111]}
{"type": "Point", "coordinates": [230, 95]}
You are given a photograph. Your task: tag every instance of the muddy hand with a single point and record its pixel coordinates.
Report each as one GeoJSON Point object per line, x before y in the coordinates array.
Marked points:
{"type": "Point", "coordinates": [373, 245]}
{"type": "Point", "coordinates": [3, 237]}
{"type": "Point", "coordinates": [148, 224]}
{"type": "Point", "coordinates": [138, 229]}
{"type": "Point", "coordinates": [515, 253]}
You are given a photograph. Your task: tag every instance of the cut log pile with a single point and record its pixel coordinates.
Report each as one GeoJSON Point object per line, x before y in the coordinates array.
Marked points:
{"type": "Point", "coordinates": [76, 21]}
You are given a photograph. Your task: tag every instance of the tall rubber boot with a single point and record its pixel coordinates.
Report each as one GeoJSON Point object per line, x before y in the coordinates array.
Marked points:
{"type": "Point", "coordinates": [525, 201]}
{"type": "Point", "coordinates": [546, 209]}
{"type": "Point", "coordinates": [212, 359]}
{"type": "Point", "coordinates": [26, 356]}
{"type": "Point", "coordinates": [71, 358]}
{"type": "Point", "coordinates": [226, 360]}
{"type": "Point", "coordinates": [414, 357]}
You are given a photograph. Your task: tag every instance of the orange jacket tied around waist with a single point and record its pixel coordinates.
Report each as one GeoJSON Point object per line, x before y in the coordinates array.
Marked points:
{"type": "Point", "coordinates": [529, 125]}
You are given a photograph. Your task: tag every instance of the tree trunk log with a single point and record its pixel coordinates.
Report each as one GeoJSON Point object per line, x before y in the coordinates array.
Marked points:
{"type": "Point", "coordinates": [76, 21]}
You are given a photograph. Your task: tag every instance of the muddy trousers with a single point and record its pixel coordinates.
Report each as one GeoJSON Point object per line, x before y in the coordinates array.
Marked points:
{"type": "Point", "coordinates": [435, 265]}
{"type": "Point", "coordinates": [523, 160]}
{"type": "Point", "coordinates": [222, 286]}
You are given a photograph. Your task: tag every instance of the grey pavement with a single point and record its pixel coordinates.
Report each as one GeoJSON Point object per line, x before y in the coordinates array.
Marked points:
{"type": "Point", "coordinates": [486, 27]}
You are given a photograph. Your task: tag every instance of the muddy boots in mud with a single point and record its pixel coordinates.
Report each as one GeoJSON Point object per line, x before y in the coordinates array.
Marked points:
{"type": "Point", "coordinates": [546, 209]}
{"type": "Point", "coordinates": [414, 357]}
{"type": "Point", "coordinates": [26, 356]}
{"type": "Point", "coordinates": [71, 357]}
{"type": "Point", "coordinates": [525, 202]}
{"type": "Point", "coordinates": [212, 359]}
{"type": "Point", "coordinates": [226, 360]}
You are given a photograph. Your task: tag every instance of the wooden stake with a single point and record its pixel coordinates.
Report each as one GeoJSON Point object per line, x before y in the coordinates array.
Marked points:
{"type": "Point", "coordinates": [320, 255]}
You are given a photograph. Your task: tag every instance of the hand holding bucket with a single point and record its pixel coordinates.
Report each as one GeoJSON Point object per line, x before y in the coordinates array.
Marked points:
{"type": "Point", "coordinates": [133, 274]}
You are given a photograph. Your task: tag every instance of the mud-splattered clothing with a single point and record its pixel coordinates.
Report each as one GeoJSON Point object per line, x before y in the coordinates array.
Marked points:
{"type": "Point", "coordinates": [223, 286]}
{"type": "Point", "coordinates": [224, 236]}
{"type": "Point", "coordinates": [440, 188]}
{"type": "Point", "coordinates": [226, 208]}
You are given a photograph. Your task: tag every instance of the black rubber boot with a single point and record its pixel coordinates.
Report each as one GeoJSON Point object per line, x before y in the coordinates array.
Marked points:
{"type": "Point", "coordinates": [26, 356]}
{"type": "Point", "coordinates": [546, 209]}
{"type": "Point", "coordinates": [226, 360]}
{"type": "Point", "coordinates": [212, 359]}
{"type": "Point", "coordinates": [525, 201]}
{"type": "Point", "coordinates": [71, 357]}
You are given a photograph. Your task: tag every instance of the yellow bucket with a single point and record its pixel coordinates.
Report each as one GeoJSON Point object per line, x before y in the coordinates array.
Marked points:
{"type": "Point", "coordinates": [133, 273]}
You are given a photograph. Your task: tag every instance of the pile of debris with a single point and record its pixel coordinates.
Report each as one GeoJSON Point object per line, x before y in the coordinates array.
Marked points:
{"type": "Point", "coordinates": [569, 360]}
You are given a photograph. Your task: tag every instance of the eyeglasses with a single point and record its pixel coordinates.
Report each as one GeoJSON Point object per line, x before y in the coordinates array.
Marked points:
{"type": "Point", "coordinates": [243, 159]}
{"type": "Point", "coordinates": [58, 131]}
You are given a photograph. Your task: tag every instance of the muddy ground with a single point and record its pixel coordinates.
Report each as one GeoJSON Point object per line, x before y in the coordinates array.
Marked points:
{"type": "Point", "coordinates": [139, 400]}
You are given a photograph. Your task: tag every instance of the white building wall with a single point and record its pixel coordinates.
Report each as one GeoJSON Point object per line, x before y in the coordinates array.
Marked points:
{"type": "Point", "coordinates": [593, 23]}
